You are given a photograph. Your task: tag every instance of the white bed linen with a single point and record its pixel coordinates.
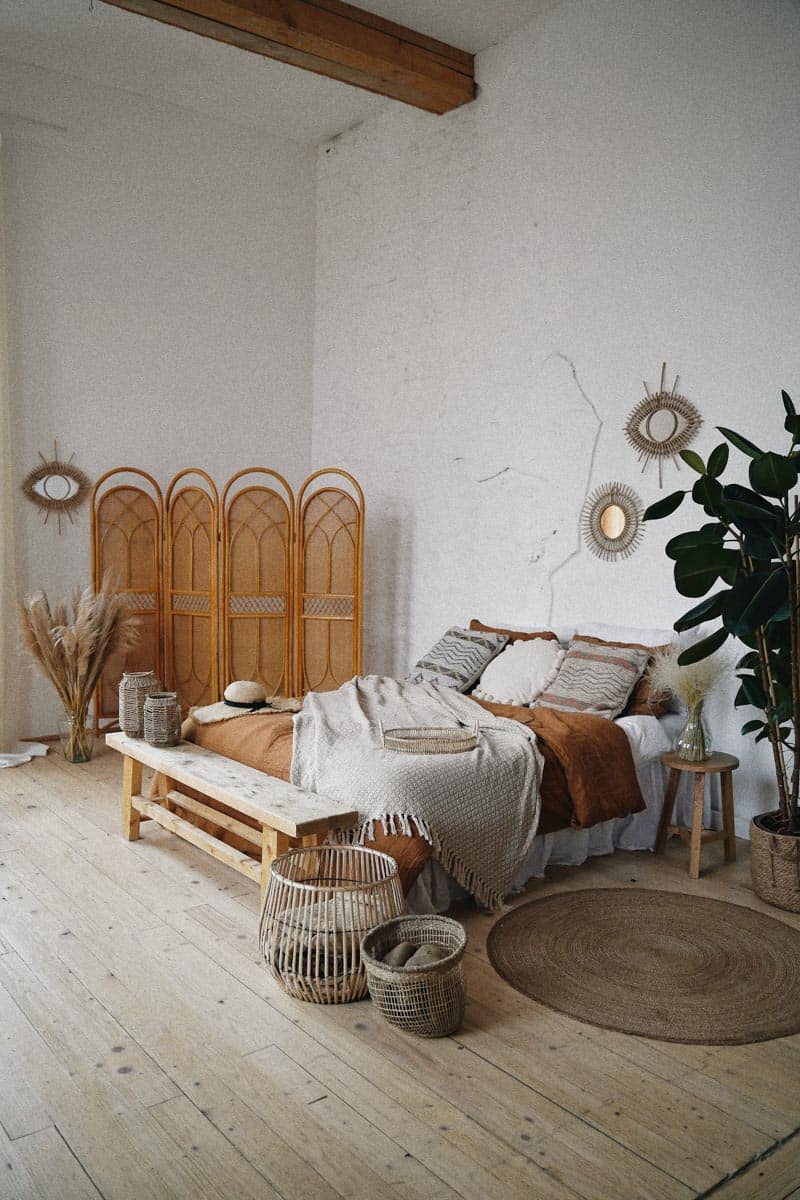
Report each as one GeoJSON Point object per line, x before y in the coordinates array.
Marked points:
{"type": "Point", "coordinates": [649, 737]}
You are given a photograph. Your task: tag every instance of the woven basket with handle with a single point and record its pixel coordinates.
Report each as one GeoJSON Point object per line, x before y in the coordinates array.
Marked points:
{"type": "Point", "coordinates": [775, 866]}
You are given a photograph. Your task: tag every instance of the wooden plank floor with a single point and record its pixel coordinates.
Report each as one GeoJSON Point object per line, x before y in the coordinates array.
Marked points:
{"type": "Point", "coordinates": [145, 1052]}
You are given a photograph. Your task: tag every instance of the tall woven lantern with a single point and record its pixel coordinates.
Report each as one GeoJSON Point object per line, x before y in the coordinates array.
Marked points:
{"type": "Point", "coordinates": [134, 688]}
{"type": "Point", "coordinates": [320, 902]}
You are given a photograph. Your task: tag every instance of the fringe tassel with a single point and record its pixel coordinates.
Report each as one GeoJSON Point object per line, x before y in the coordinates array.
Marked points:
{"type": "Point", "coordinates": [399, 824]}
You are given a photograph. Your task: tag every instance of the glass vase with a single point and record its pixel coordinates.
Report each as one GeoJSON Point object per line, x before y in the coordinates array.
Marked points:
{"type": "Point", "coordinates": [77, 740]}
{"type": "Point", "coordinates": [694, 743]}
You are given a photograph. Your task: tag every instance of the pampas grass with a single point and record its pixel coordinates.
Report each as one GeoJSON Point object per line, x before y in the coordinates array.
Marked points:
{"type": "Point", "coordinates": [71, 642]}
{"type": "Point", "coordinates": [690, 684]}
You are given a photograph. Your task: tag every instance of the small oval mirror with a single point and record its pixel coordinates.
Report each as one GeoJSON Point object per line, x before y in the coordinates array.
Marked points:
{"type": "Point", "coordinates": [55, 487]}
{"type": "Point", "coordinates": [613, 521]}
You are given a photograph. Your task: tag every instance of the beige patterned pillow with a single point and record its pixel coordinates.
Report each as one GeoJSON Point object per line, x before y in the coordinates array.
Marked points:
{"type": "Point", "coordinates": [595, 679]}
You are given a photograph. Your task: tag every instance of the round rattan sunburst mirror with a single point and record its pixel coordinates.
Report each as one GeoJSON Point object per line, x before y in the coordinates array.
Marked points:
{"type": "Point", "coordinates": [56, 486]}
{"type": "Point", "coordinates": [662, 425]}
{"type": "Point", "coordinates": [611, 521]}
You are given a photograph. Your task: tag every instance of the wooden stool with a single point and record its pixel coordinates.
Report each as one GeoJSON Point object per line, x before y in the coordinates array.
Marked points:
{"type": "Point", "coordinates": [718, 764]}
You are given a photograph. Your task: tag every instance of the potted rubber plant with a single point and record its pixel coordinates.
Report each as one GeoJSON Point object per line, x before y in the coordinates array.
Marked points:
{"type": "Point", "coordinates": [745, 560]}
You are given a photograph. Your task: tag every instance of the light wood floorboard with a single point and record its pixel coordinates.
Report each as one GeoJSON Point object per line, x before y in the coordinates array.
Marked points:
{"type": "Point", "coordinates": [145, 1052]}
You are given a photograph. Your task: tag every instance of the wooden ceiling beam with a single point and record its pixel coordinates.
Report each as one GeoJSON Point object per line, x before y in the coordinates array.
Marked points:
{"type": "Point", "coordinates": [329, 38]}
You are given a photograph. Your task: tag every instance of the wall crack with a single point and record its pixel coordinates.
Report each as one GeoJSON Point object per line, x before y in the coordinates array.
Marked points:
{"type": "Point", "coordinates": [589, 474]}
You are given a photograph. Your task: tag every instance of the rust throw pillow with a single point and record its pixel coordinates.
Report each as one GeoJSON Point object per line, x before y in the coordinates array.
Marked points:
{"type": "Point", "coordinates": [513, 635]}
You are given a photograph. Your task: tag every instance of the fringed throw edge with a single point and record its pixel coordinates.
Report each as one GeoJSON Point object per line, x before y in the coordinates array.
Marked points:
{"type": "Point", "coordinates": [400, 825]}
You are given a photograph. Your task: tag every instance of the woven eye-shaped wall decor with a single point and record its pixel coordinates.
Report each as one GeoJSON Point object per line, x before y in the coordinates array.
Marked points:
{"type": "Point", "coordinates": [611, 521]}
{"type": "Point", "coordinates": [56, 486]}
{"type": "Point", "coordinates": [662, 425]}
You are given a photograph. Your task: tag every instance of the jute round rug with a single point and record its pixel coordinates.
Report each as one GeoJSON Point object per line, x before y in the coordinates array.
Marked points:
{"type": "Point", "coordinates": [656, 964]}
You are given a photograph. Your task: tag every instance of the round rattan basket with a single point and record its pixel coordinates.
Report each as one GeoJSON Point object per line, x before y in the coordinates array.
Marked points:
{"type": "Point", "coordinates": [430, 739]}
{"type": "Point", "coordinates": [320, 902]}
{"type": "Point", "coordinates": [427, 1001]}
{"type": "Point", "coordinates": [775, 866]}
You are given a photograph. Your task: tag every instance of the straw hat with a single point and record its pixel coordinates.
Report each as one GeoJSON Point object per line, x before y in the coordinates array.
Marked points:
{"type": "Point", "coordinates": [240, 697]}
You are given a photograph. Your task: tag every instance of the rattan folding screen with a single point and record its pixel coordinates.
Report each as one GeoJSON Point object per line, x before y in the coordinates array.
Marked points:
{"type": "Point", "coordinates": [257, 585]}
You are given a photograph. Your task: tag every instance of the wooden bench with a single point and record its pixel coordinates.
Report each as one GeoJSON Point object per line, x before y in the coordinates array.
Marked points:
{"type": "Point", "coordinates": [285, 815]}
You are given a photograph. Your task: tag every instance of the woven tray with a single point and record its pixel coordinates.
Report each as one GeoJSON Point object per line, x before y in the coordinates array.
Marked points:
{"type": "Point", "coordinates": [430, 739]}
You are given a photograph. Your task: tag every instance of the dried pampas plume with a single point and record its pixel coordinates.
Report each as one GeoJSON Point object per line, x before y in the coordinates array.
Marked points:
{"type": "Point", "coordinates": [690, 684]}
{"type": "Point", "coordinates": [72, 641]}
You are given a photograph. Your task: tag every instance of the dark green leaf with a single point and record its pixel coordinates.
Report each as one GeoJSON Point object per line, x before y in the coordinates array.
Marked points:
{"type": "Point", "coordinates": [754, 600]}
{"type": "Point", "coordinates": [694, 461]}
{"type": "Point", "coordinates": [708, 493]}
{"type": "Point", "coordinates": [703, 648]}
{"type": "Point", "coordinates": [759, 547]}
{"type": "Point", "coordinates": [753, 692]}
{"type": "Point", "coordinates": [663, 508]}
{"type": "Point", "coordinates": [706, 610]}
{"type": "Point", "coordinates": [697, 570]}
{"type": "Point", "coordinates": [718, 460]}
{"type": "Point", "coordinates": [752, 726]}
{"type": "Point", "coordinates": [745, 496]}
{"type": "Point", "coordinates": [741, 443]}
{"type": "Point", "coordinates": [750, 661]}
{"type": "Point", "coordinates": [792, 425]}
{"type": "Point", "coordinates": [788, 404]}
{"type": "Point", "coordinates": [709, 535]}
{"type": "Point", "coordinates": [773, 474]}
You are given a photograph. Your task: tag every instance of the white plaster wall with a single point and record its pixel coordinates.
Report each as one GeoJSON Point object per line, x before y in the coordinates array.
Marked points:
{"type": "Point", "coordinates": [493, 283]}
{"type": "Point", "coordinates": [160, 282]}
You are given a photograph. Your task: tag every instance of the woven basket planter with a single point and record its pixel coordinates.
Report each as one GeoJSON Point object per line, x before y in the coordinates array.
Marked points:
{"type": "Point", "coordinates": [320, 902]}
{"type": "Point", "coordinates": [427, 1001]}
{"type": "Point", "coordinates": [775, 865]}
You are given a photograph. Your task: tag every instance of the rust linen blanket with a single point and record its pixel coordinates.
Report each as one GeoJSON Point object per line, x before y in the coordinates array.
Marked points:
{"type": "Point", "coordinates": [589, 774]}
{"type": "Point", "coordinates": [478, 810]}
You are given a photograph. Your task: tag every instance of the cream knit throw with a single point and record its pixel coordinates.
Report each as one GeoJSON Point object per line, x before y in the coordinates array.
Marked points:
{"type": "Point", "coordinates": [478, 810]}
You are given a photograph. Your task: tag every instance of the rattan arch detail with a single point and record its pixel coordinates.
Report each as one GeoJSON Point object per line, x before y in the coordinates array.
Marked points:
{"type": "Point", "coordinates": [328, 580]}
{"type": "Point", "coordinates": [257, 580]}
{"type": "Point", "coordinates": [127, 514]}
{"type": "Point", "coordinates": [191, 587]}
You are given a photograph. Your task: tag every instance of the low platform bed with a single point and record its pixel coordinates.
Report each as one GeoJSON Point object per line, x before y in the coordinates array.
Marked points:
{"type": "Point", "coordinates": [602, 783]}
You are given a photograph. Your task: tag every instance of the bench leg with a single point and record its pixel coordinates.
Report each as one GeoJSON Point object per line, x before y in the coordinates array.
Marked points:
{"type": "Point", "coordinates": [666, 812]}
{"type": "Point", "coordinates": [273, 843]}
{"type": "Point", "coordinates": [131, 786]}
{"type": "Point", "coordinates": [697, 825]}
{"type": "Point", "coordinates": [728, 825]}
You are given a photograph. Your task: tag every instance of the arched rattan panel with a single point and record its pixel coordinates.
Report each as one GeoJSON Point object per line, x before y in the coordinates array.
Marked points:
{"type": "Point", "coordinates": [126, 529]}
{"type": "Point", "coordinates": [191, 567]}
{"type": "Point", "coordinates": [328, 580]}
{"type": "Point", "coordinates": [257, 592]}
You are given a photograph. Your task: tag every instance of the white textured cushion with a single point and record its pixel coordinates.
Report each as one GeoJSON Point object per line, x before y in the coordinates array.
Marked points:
{"type": "Point", "coordinates": [520, 672]}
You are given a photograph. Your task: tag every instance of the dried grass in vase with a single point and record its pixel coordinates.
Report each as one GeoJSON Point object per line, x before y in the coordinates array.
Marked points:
{"type": "Point", "coordinates": [691, 684]}
{"type": "Point", "coordinates": [71, 643]}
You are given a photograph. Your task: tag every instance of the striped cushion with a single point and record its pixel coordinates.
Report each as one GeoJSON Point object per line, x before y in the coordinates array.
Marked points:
{"type": "Point", "coordinates": [458, 659]}
{"type": "Point", "coordinates": [595, 679]}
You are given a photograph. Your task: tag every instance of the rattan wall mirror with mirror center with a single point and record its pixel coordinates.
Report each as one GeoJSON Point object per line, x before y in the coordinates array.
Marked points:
{"type": "Point", "coordinates": [57, 487]}
{"type": "Point", "coordinates": [611, 521]}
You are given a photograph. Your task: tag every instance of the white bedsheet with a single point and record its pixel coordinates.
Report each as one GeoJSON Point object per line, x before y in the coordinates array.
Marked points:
{"type": "Point", "coordinates": [649, 737]}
